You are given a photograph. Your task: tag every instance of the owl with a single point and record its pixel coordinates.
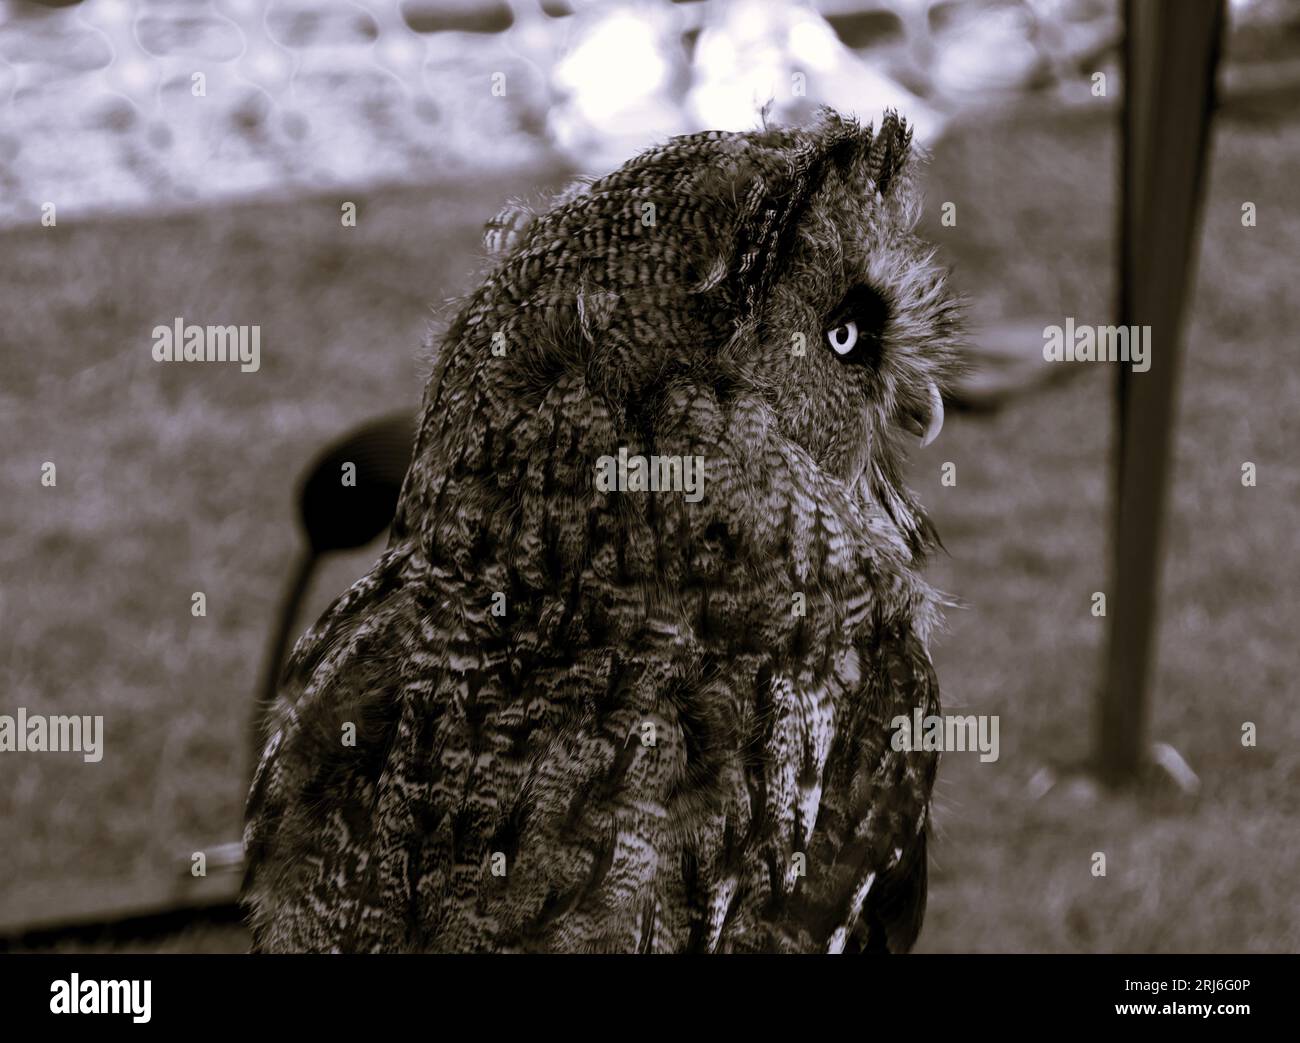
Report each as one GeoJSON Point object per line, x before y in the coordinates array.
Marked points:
{"type": "Point", "coordinates": [625, 677]}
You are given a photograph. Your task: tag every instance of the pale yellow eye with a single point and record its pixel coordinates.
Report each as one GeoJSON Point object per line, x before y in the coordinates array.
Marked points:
{"type": "Point", "coordinates": [842, 338]}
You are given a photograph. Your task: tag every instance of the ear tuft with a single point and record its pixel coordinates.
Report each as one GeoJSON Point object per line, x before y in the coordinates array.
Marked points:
{"type": "Point", "coordinates": [889, 151]}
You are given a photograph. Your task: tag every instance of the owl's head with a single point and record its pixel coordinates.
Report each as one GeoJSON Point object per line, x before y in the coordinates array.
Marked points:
{"type": "Point", "coordinates": [849, 325]}
{"type": "Point", "coordinates": [777, 267]}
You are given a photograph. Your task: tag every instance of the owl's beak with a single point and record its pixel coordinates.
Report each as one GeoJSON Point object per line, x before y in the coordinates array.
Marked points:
{"type": "Point", "coordinates": [927, 422]}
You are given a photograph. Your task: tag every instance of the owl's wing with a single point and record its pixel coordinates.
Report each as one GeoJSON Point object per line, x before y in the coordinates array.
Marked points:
{"type": "Point", "coordinates": [895, 910]}
{"type": "Point", "coordinates": [893, 804]}
{"type": "Point", "coordinates": [325, 769]}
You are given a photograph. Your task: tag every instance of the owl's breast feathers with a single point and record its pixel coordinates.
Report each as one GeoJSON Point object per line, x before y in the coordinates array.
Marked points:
{"type": "Point", "coordinates": [591, 721]}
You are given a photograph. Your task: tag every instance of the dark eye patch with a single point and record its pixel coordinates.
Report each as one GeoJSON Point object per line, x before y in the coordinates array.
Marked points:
{"type": "Point", "coordinates": [869, 310]}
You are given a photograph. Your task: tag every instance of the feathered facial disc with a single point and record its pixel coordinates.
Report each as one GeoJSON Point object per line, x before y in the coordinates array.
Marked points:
{"type": "Point", "coordinates": [853, 330]}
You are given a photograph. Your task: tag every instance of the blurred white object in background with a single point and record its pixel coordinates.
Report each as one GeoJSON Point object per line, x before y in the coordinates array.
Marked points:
{"type": "Point", "coordinates": [753, 52]}
{"type": "Point", "coordinates": [982, 48]}
{"type": "Point", "coordinates": [619, 86]}
{"type": "Point", "coordinates": [636, 73]}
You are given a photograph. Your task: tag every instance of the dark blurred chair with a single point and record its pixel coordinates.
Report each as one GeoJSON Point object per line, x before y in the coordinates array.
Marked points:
{"type": "Point", "coordinates": [337, 517]}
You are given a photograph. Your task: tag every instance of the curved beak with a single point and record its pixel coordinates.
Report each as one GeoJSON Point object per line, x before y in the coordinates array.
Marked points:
{"type": "Point", "coordinates": [927, 422]}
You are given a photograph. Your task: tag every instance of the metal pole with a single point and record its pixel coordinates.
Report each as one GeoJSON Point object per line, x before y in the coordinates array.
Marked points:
{"type": "Point", "coordinates": [1170, 55]}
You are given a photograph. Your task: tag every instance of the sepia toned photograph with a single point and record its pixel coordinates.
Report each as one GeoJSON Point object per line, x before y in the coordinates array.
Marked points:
{"type": "Point", "coordinates": [634, 476]}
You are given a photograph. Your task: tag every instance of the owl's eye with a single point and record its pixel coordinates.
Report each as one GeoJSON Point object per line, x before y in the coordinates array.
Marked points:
{"type": "Point", "coordinates": [855, 329]}
{"type": "Point", "coordinates": [843, 338]}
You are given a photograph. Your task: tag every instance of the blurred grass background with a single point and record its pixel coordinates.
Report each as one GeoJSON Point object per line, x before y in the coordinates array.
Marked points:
{"type": "Point", "coordinates": [178, 479]}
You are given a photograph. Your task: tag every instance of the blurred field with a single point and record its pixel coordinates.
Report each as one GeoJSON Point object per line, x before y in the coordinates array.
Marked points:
{"type": "Point", "coordinates": [177, 479]}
